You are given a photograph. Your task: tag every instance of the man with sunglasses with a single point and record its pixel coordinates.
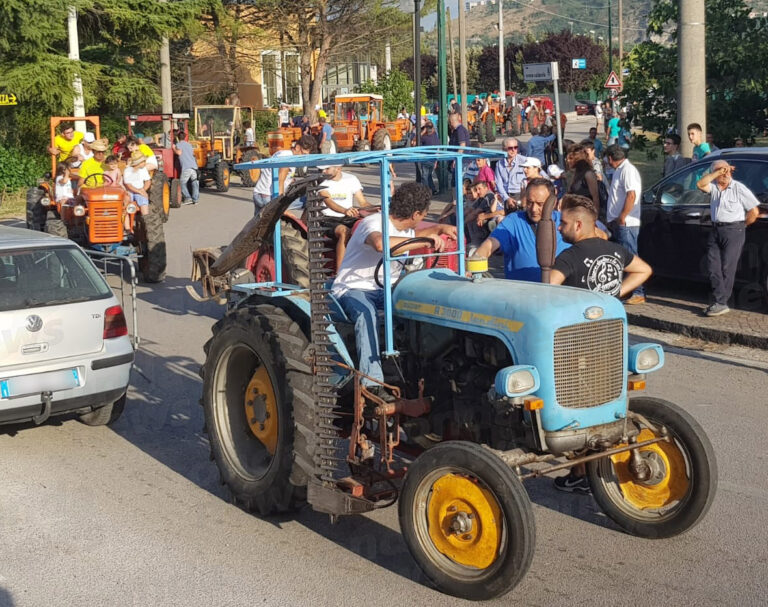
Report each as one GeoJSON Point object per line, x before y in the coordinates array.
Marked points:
{"type": "Point", "coordinates": [510, 174]}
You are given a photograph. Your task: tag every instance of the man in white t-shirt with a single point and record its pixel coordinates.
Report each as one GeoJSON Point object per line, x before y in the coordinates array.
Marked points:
{"type": "Point", "coordinates": [340, 191]}
{"type": "Point", "coordinates": [262, 191]}
{"type": "Point", "coordinates": [355, 285]}
{"type": "Point", "coordinates": [623, 209]}
{"type": "Point", "coordinates": [598, 115]}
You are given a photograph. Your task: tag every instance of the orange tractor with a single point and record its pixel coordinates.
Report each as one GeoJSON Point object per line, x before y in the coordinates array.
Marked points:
{"type": "Point", "coordinates": [219, 143]}
{"type": "Point", "coordinates": [96, 217]}
{"type": "Point", "coordinates": [358, 125]}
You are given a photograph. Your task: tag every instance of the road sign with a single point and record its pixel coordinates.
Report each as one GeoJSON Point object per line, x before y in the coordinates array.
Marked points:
{"type": "Point", "coordinates": [579, 64]}
{"type": "Point", "coordinates": [8, 99]}
{"type": "Point", "coordinates": [613, 82]}
{"type": "Point", "coordinates": [538, 72]}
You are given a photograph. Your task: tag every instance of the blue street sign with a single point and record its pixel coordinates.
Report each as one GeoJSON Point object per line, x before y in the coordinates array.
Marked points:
{"type": "Point", "coordinates": [579, 64]}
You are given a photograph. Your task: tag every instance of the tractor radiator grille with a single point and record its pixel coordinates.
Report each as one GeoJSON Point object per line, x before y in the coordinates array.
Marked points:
{"type": "Point", "coordinates": [105, 223]}
{"type": "Point", "coordinates": [589, 363]}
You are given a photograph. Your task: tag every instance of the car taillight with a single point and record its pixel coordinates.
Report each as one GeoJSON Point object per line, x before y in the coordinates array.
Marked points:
{"type": "Point", "coordinates": [114, 323]}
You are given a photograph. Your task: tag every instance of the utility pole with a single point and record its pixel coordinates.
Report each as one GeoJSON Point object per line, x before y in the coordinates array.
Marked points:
{"type": "Point", "coordinates": [189, 84]}
{"type": "Point", "coordinates": [74, 55]}
{"type": "Point", "coordinates": [691, 67]}
{"type": "Point", "coordinates": [453, 58]}
{"type": "Point", "coordinates": [442, 80]}
{"type": "Point", "coordinates": [610, 39]}
{"type": "Point", "coordinates": [388, 57]}
{"type": "Point", "coordinates": [165, 82]}
{"type": "Point", "coordinates": [502, 85]}
{"type": "Point", "coordinates": [621, 36]}
{"type": "Point", "coordinates": [463, 61]}
{"type": "Point", "coordinates": [417, 68]}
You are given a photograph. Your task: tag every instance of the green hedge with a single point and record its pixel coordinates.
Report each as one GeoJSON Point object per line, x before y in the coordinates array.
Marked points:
{"type": "Point", "coordinates": [19, 169]}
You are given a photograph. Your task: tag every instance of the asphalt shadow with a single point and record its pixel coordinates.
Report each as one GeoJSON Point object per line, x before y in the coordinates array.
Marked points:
{"type": "Point", "coordinates": [171, 297]}
{"type": "Point", "coordinates": [6, 598]}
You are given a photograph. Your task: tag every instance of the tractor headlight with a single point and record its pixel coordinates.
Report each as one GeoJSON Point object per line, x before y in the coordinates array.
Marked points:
{"type": "Point", "coordinates": [131, 208]}
{"type": "Point", "coordinates": [644, 358]}
{"type": "Point", "coordinates": [45, 201]}
{"type": "Point", "coordinates": [79, 210]}
{"type": "Point", "coordinates": [518, 380]}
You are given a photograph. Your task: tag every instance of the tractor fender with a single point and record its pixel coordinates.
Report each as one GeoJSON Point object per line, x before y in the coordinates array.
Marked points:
{"type": "Point", "coordinates": [298, 309]}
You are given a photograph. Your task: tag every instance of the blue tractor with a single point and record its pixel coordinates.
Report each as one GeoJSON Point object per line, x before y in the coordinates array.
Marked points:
{"type": "Point", "coordinates": [494, 382]}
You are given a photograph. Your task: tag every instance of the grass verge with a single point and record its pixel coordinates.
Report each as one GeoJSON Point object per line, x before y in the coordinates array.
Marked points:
{"type": "Point", "coordinates": [13, 205]}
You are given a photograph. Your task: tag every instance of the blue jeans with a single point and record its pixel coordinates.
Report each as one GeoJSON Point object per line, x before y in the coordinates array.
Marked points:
{"type": "Point", "coordinates": [626, 236]}
{"type": "Point", "coordinates": [361, 307]}
{"type": "Point", "coordinates": [190, 186]}
{"type": "Point", "coordinates": [259, 202]}
{"type": "Point", "coordinates": [427, 175]}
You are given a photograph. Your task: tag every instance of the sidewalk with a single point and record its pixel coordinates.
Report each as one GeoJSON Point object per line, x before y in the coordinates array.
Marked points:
{"type": "Point", "coordinates": [679, 310]}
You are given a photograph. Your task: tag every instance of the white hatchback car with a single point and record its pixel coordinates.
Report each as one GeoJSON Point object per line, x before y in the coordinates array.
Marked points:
{"type": "Point", "coordinates": [64, 343]}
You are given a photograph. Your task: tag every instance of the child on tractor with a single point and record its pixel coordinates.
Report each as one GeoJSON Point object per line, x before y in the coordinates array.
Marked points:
{"type": "Point", "coordinates": [355, 285]}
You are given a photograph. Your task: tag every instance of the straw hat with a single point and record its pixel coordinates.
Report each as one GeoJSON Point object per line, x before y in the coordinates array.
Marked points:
{"type": "Point", "coordinates": [137, 158]}
{"type": "Point", "coordinates": [100, 145]}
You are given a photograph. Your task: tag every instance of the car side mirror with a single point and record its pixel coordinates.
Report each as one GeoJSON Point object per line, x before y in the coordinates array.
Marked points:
{"type": "Point", "coordinates": [649, 197]}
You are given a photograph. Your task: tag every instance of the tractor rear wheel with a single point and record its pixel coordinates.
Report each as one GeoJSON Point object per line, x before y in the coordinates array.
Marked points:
{"type": "Point", "coordinates": [381, 140]}
{"type": "Point", "coordinates": [480, 131]}
{"type": "Point", "coordinates": [258, 407]}
{"type": "Point", "coordinates": [295, 250]}
{"type": "Point", "coordinates": [508, 128]}
{"type": "Point", "coordinates": [160, 195]}
{"type": "Point", "coordinates": [221, 176]}
{"type": "Point", "coordinates": [176, 195]}
{"type": "Point", "coordinates": [490, 128]}
{"type": "Point", "coordinates": [467, 521]}
{"type": "Point", "coordinates": [35, 211]}
{"type": "Point", "coordinates": [55, 226]}
{"type": "Point", "coordinates": [151, 239]}
{"type": "Point", "coordinates": [249, 178]}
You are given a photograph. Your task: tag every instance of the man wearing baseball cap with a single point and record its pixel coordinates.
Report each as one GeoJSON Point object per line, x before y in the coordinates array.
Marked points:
{"type": "Point", "coordinates": [93, 167]}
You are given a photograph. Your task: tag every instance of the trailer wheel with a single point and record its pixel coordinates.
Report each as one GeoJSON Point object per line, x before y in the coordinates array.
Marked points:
{"type": "Point", "coordinates": [467, 521]}
{"type": "Point", "coordinates": [683, 476]}
{"type": "Point", "coordinates": [257, 401]}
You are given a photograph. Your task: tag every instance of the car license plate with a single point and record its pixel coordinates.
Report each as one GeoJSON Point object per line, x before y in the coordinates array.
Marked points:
{"type": "Point", "coordinates": [24, 385]}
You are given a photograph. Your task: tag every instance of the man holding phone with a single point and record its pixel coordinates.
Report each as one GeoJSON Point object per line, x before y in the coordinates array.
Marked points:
{"type": "Point", "coordinates": [732, 207]}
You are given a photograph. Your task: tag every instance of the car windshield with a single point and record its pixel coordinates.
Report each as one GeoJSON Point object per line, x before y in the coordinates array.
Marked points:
{"type": "Point", "coordinates": [33, 278]}
{"type": "Point", "coordinates": [681, 188]}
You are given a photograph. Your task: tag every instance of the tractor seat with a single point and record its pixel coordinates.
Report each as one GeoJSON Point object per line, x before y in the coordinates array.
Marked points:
{"type": "Point", "coordinates": [338, 315]}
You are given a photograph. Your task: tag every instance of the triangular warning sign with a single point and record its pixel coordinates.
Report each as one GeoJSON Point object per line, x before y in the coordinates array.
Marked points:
{"type": "Point", "coordinates": [613, 82]}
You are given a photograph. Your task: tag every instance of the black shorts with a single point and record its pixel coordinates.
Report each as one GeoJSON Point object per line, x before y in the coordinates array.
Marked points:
{"type": "Point", "coordinates": [331, 222]}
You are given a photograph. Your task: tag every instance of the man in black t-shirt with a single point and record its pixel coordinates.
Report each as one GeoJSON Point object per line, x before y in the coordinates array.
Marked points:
{"type": "Point", "coordinates": [596, 264]}
{"type": "Point", "coordinates": [593, 263]}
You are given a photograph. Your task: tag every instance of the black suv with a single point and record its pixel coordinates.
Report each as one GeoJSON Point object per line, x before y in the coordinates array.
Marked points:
{"type": "Point", "coordinates": [676, 224]}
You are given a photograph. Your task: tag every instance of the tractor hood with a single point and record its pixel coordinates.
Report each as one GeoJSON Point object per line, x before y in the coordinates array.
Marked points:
{"type": "Point", "coordinates": [509, 309]}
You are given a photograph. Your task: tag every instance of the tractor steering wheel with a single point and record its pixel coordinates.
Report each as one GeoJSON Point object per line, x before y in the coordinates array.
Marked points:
{"type": "Point", "coordinates": [393, 251]}
{"type": "Point", "coordinates": [85, 181]}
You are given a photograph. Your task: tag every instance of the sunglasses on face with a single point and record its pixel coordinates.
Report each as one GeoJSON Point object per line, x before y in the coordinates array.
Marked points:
{"type": "Point", "coordinates": [512, 147]}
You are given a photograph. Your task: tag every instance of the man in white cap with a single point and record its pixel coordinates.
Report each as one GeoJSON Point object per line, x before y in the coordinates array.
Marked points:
{"type": "Point", "coordinates": [82, 150]}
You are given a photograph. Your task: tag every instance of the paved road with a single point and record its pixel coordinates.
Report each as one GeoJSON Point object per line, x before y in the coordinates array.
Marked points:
{"type": "Point", "coordinates": [135, 515]}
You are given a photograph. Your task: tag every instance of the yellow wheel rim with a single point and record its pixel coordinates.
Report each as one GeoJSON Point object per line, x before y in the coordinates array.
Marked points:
{"type": "Point", "coordinates": [261, 409]}
{"type": "Point", "coordinates": [226, 176]}
{"type": "Point", "coordinates": [670, 484]}
{"type": "Point", "coordinates": [465, 521]}
{"type": "Point", "coordinates": [166, 198]}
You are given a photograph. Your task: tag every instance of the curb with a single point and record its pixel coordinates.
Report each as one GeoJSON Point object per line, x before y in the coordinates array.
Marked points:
{"type": "Point", "coordinates": [719, 336]}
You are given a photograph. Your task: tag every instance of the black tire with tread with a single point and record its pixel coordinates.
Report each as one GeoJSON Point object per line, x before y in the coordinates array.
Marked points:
{"type": "Point", "coordinates": [479, 129]}
{"type": "Point", "coordinates": [490, 128]}
{"type": "Point", "coordinates": [295, 253]}
{"type": "Point", "coordinates": [153, 260]}
{"type": "Point", "coordinates": [279, 344]}
{"type": "Point", "coordinates": [379, 141]}
{"type": "Point", "coordinates": [221, 176]}
{"type": "Point", "coordinates": [55, 226]}
{"type": "Point", "coordinates": [245, 176]}
{"type": "Point", "coordinates": [104, 416]}
{"type": "Point", "coordinates": [701, 458]}
{"type": "Point", "coordinates": [156, 190]}
{"type": "Point", "coordinates": [176, 194]}
{"type": "Point", "coordinates": [36, 212]}
{"type": "Point", "coordinates": [520, 526]}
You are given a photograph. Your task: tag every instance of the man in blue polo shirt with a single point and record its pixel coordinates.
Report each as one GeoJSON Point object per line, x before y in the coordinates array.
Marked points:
{"type": "Point", "coordinates": [516, 235]}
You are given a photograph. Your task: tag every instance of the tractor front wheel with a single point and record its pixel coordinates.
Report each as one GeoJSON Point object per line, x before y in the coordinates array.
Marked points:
{"type": "Point", "coordinates": [36, 212]}
{"type": "Point", "coordinates": [467, 521]}
{"type": "Point", "coordinates": [55, 226]}
{"type": "Point", "coordinates": [490, 128]}
{"type": "Point", "coordinates": [176, 194]}
{"type": "Point", "coordinates": [381, 140]}
{"type": "Point", "coordinates": [249, 178]}
{"type": "Point", "coordinates": [221, 176]}
{"type": "Point", "coordinates": [257, 401]}
{"type": "Point", "coordinates": [680, 477]}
